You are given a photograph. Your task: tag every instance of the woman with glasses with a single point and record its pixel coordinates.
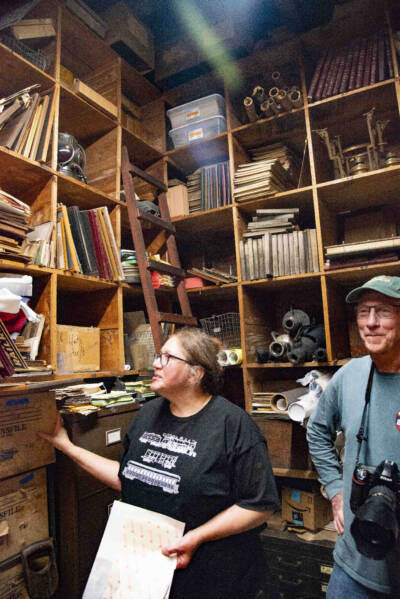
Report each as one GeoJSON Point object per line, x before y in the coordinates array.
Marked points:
{"type": "Point", "coordinates": [193, 455]}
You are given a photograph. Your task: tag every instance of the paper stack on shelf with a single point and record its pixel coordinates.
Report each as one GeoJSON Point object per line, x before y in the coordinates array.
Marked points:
{"type": "Point", "coordinates": [129, 266]}
{"type": "Point", "coordinates": [194, 191]}
{"type": "Point", "coordinates": [39, 246]}
{"type": "Point", "coordinates": [257, 179]}
{"type": "Point", "coordinates": [14, 227]}
{"type": "Point", "coordinates": [279, 151]}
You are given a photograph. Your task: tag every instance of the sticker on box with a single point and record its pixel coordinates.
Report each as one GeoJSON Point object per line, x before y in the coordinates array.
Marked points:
{"type": "Point", "coordinates": [196, 134]}
{"type": "Point", "coordinates": [193, 113]}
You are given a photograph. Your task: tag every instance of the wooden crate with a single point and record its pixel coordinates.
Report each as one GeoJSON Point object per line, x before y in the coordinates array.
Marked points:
{"type": "Point", "coordinates": [23, 512]}
{"type": "Point", "coordinates": [78, 349]}
{"type": "Point", "coordinates": [21, 417]}
{"type": "Point", "coordinates": [287, 444]}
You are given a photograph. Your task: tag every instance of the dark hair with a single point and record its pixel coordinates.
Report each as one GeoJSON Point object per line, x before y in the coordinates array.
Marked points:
{"type": "Point", "coordinates": [202, 350]}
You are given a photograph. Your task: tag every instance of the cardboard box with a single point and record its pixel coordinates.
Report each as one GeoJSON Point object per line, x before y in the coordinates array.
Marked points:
{"type": "Point", "coordinates": [78, 349]}
{"type": "Point", "coordinates": [12, 583]}
{"type": "Point", "coordinates": [23, 512]}
{"type": "Point", "coordinates": [310, 510]}
{"type": "Point", "coordinates": [129, 37]}
{"type": "Point", "coordinates": [177, 198]}
{"type": "Point", "coordinates": [21, 417]}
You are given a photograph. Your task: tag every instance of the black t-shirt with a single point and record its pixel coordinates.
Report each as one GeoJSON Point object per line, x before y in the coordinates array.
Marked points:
{"type": "Point", "coordinates": [193, 468]}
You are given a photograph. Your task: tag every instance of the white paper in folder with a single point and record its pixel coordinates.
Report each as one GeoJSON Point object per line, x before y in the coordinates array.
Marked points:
{"type": "Point", "coordinates": [129, 555]}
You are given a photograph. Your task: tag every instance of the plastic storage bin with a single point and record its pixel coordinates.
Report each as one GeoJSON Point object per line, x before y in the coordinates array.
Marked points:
{"type": "Point", "coordinates": [200, 109]}
{"type": "Point", "coordinates": [195, 131]}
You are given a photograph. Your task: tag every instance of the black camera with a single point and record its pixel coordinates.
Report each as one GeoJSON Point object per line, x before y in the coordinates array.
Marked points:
{"type": "Point", "coordinates": [375, 501]}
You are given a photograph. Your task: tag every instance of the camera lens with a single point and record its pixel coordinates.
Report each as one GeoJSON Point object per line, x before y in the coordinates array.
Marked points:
{"type": "Point", "coordinates": [375, 528]}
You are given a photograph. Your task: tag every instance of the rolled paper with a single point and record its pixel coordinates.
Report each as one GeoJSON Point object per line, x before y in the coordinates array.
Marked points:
{"type": "Point", "coordinates": [223, 357]}
{"type": "Point", "coordinates": [280, 402]}
{"type": "Point", "coordinates": [250, 109]}
{"type": "Point", "coordinates": [259, 94]}
{"type": "Point", "coordinates": [273, 106]}
{"type": "Point", "coordinates": [296, 98]}
{"type": "Point", "coordinates": [283, 99]}
{"type": "Point", "coordinates": [303, 408]}
{"type": "Point", "coordinates": [273, 92]}
{"type": "Point", "coordinates": [235, 357]}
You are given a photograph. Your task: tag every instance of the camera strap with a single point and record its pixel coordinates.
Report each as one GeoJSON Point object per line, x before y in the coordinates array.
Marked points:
{"type": "Point", "coordinates": [361, 433]}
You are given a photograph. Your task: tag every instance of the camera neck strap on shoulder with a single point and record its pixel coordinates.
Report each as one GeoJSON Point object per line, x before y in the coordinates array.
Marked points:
{"type": "Point", "coordinates": [361, 433]}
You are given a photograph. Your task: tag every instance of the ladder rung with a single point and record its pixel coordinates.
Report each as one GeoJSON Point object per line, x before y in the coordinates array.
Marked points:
{"type": "Point", "coordinates": [190, 321]}
{"type": "Point", "coordinates": [156, 221]}
{"type": "Point", "coordinates": [166, 268]}
{"type": "Point", "coordinates": [148, 178]}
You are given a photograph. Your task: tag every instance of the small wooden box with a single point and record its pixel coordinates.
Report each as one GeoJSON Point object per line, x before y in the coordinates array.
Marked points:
{"type": "Point", "coordinates": [287, 443]}
{"type": "Point", "coordinates": [21, 417]}
{"type": "Point", "coordinates": [12, 582]}
{"type": "Point", "coordinates": [23, 512]}
{"type": "Point", "coordinates": [78, 349]}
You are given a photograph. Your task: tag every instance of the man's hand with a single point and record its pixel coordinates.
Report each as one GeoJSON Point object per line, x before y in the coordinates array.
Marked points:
{"type": "Point", "coordinates": [337, 508]}
{"type": "Point", "coordinates": [184, 548]}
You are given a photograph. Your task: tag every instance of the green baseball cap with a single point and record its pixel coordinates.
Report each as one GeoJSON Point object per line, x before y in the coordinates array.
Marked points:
{"type": "Point", "coordinates": [384, 284]}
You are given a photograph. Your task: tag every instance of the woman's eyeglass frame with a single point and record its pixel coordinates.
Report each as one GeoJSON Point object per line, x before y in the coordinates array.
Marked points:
{"type": "Point", "coordinates": [165, 358]}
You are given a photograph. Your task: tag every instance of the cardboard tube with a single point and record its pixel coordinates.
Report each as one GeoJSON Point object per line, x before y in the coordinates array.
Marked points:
{"type": "Point", "coordinates": [302, 409]}
{"type": "Point", "coordinates": [278, 79]}
{"type": "Point", "coordinates": [259, 94]}
{"type": "Point", "coordinates": [250, 109]}
{"type": "Point", "coordinates": [235, 357]}
{"type": "Point", "coordinates": [284, 100]}
{"type": "Point", "coordinates": [273, 106]}
{"type": "Point", "coordinates": [266, 108]}
{"type": "Point", "coordinates": [280, 402]}
{"type": "Point", "coordinates": [296, 98]}
{"type": "Point", "coordinates": [273, 92]}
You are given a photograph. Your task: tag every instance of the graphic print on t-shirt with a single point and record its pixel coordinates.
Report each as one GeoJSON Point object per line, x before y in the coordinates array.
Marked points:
{"type": "Point", "coordinates": [170, 442]}
{"type": "Point", "coordinates": [156, 457]}
{"type": "Point", "coordinates": [166, 480]}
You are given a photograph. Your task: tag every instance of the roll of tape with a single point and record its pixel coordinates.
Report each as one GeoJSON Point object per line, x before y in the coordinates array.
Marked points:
{"type": "Point", "coordinates": [223, 357]}
{"type": "Point", "coordinates": [235, 357]}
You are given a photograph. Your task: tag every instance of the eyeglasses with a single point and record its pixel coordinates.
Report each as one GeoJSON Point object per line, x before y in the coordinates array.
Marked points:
{"type": "Point", "coordinates": [382, 311]}
{"type": "Point", "coordinates": [165, 358]}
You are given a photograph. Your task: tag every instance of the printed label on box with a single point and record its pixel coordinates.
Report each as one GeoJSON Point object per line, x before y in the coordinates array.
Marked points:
{"type": "Point", "coordinates": [193, 113]}
{"type": "Point", "coordinates": [196, 134]}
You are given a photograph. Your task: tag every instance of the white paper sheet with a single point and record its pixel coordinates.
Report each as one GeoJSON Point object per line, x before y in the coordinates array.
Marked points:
{"type": "Point", "coordinates": [129, 563]}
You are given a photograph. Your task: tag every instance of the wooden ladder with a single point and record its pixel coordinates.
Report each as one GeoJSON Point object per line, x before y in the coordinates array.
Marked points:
{"type": "Point", "coordinates": [145, 264]}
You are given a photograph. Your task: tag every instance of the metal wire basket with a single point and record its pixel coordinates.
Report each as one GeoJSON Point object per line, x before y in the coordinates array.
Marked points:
{"type": "Point", "coordinates": [226, 327]}
{"type": "Point", "coordinates": [36, 57]}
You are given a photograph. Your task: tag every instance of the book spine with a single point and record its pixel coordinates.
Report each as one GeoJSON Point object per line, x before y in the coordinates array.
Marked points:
{"type": "Point", "coordinates": [381, 56]}
{"type": "Point", "coordinates": [324, 74]}
{"type": "Point", "coordinates": [389, 60]}
{"type": "Point", "coordinates": [330, 80]}
{"type": "Point", "coordinates": [374, 59]}
{"type": "Point", "coordinates": [361, 63]}
{"type": "Point", "coordinates": [340, 71]}
{"type": "Point", "coordinates": [368, 62]}
{"type": "Point", "coordinates": [347, 68]}
{"type": "Point", "coordinates": [316, 76]}
{"type": "Point", "coordinates": [354, 64]}
{"type": "Point", "coordinates": [97, 244]}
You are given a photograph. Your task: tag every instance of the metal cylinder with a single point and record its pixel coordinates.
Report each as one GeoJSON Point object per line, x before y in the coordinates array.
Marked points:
{"type": "Point", "coordinates": [320, 354]}
{"type": "Point", "coordinates": [259, 94]}
{"type": "Point", "coordinates": [296, 98]}
{"type": "Point", "coordinates": [280, 345]}
{"type": "Point", "coordinates": [284, 100]}
{"type": "Point", "coordinates": [293, 320]}
{"type": "Point", "coordinates": [250, 109]}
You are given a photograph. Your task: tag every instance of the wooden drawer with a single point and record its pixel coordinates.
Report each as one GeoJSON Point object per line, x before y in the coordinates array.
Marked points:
{"type": "Point", "coordinates": [287, 443]}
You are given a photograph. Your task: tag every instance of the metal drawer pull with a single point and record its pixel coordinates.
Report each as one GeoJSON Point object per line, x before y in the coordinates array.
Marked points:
{"type": "Point", "coordinates": [295, 564]}
{"type": "Point", "coordinates": [326, 569]}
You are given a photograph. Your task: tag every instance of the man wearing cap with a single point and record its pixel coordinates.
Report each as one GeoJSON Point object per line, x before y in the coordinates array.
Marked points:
{"type": "Point", "coordinates": [377, 310]}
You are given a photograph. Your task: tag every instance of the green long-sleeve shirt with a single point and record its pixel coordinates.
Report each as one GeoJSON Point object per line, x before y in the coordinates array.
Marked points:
{"type": "Point", "coordinates": [340, 408]}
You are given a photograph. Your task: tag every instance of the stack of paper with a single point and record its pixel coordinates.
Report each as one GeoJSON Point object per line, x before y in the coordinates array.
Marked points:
{"type": "Point", "coordinates": [257, 179]}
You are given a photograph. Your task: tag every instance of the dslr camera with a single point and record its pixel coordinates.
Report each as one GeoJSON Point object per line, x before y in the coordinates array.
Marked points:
{"type": "Point", "coordinates": [375, 501]}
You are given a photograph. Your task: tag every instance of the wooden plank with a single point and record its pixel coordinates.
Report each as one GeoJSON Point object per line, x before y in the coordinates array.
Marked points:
{"type": "Point", "coordinates": [156, 221]}
{"type": "Point", "coordinates": [138, 172]}
{"type": "Point", "coordinates": [177, 319]}
{"type": "Point", "coordinates": [166, 268]}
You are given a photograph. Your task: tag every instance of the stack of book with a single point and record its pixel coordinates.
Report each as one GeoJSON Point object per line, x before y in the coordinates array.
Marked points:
{"type": "Point", "coordinates": [257, 179]}
{"type": "Point", "coordinates": [279, 151]}
{"type": "Point", "coordinates": [261, 402]}
{"type": "Point", "coordinates": [86, 243]}
{"type": "Point", "coordinates": [194, 191]}
{"type": "Point", "coordinates": [130, 266]}
{"type": "Point", "coordinates": [102, 399]}
{"type": "Point", "coordinates": [274, 247]}
{"type": "Point", "coordinates": [26, 121]}
{"type": "Point", "coordinates": [39, 245]}
{"type": "Point", "coordinates": [215, 186]}
{"type": "Point", "coordinates": [364, 61]}
{"type": "Point", "coordinates": [362, 253]}
{"type": "Point", "coordinates": [14, 227]}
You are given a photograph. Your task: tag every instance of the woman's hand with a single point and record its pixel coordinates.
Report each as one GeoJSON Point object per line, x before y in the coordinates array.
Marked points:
{"type": "Point", "coordinates": [337, 508]}
{"type": "Point", "coordinates": [184, 548]}
{"type": "Point", "coordinates": [59, 437]}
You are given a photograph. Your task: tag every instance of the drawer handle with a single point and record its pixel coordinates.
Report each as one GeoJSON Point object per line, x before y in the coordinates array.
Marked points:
{"type": "Point", "coordinates": [326, 569]}
{"type": "Point", "coordinates": [295, 564]}
{"type": "Point", "coordinates": [292, 583]}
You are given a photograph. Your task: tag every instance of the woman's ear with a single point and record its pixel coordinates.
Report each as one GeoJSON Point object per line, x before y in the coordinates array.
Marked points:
{"type": "Point", "coordinates": [198, 373]}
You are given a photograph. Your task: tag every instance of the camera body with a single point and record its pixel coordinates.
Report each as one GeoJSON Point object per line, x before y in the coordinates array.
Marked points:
{"type": "Point", "coordinates": [375, 501]}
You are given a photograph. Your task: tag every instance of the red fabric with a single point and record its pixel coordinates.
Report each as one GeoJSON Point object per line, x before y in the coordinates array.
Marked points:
{"type": "Point", "coordinates": [13, 322]}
